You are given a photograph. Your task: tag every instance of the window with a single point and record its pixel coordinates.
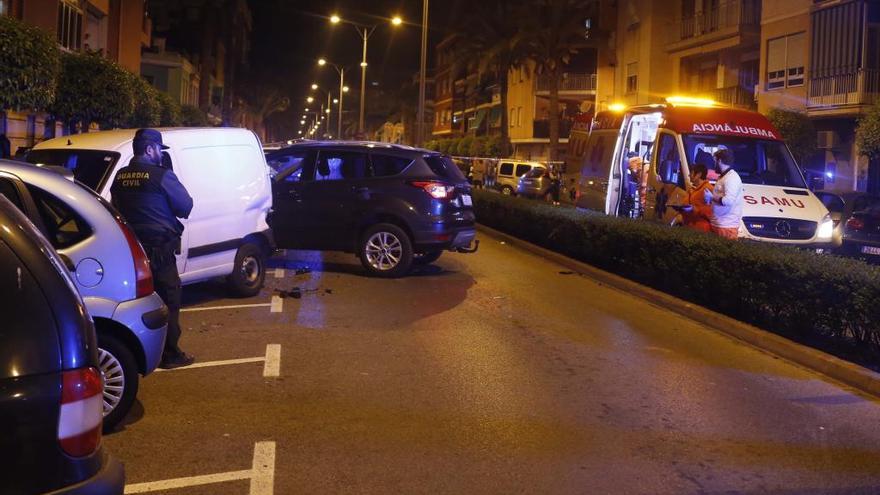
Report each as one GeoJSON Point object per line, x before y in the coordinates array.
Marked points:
{"type": "Point", "coordinates": [89, 167]}
{"type": "Point", "coordinates": [4, 7]}
{"type": "Point", "coordinates": [632, 77]}
{"type": "Point", "coordinates": [70, 21]}
{"type": "Point", "coordinates": [444, 167]}
{"type": "Point", "coordinates": [288, 166]}
{"type": "Point", "coordinates": [519, 116]}
{"type": "Point", "coordinates": [8, 189]}
{"type": "Point", "coordinates": [785, 61]}
{"type": "Point", "coordinates": [522, 170]}
{"type": "Point", "coordinates": [757, 161]}
{"type": "Point", "coordinates": [669, 161]}
{"type": "Point", "coordinates": [505, 169]}
{"type": "Point", "coordinates": [64, 227]}
{"type": "Point", "coordinates": [512, 117]}
{"type": "Point", "coordinates": [339, 165]}
{"type": "Point", "coordinates": [386, 166]}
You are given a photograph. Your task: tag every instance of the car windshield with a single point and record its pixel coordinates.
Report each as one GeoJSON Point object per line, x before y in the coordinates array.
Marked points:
{"type": "Point", "coordinates": [91, 167]}
{"type": "Point", "coordinates": [535, 173]}
{"type": "Point", "coordinates": [444, 167]}
{"type": "Point", "coordinates": [757, 161]}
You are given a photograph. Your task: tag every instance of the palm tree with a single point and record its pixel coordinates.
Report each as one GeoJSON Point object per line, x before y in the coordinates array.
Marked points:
{"type": "Point", "coordinates": [493, 30]}
{"type": "Point", "coordinates": [553, 32]}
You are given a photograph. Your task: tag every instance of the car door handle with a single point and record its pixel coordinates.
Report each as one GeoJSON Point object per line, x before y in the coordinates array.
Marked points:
{"type": "Point", "coordinates": [361, 192]}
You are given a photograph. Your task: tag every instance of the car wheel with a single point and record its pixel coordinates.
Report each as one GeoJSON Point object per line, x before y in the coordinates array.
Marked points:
{"type": "Point", "coordinates": [248, 272]}
{"type": "Point", "coordinates": [386, 251]}
{"type": "Point", "coordinates": [507, 191]}
{"type": "Point", "coordinates": [426, 258]}
{"type": "Point", "coordinates": [120, 375]}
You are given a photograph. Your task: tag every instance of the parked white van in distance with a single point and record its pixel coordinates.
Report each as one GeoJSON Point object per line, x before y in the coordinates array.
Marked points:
{"type": "Point", "coordinates": [673, 137]}
{"type": "Point", "coordinates": [226, 174]}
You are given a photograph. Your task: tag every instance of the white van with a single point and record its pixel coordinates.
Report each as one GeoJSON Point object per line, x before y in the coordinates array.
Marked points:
{"type": "Point", "coordinates": [225, 172]}
{"type": "Point", "coordinates": [672, 137]}
{"type": "Point", "coordinates": [504, 175]}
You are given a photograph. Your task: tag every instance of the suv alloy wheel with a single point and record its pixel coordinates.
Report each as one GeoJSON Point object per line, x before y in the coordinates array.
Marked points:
{"type": "Point", "coordinates": [386, 251]}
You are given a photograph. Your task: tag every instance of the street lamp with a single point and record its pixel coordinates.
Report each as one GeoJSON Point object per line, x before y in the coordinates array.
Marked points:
{"type": "Point", "coordinates": [364, 31]}
{"type": "Point", "coordinates": [342, 89]}
{"type": "Point", "coordinates": [314, 86]}
{"type": "Point", "coordinates": [310, 99]}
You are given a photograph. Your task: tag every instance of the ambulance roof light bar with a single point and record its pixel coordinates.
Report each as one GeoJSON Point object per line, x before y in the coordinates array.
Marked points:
{"type": "Point", "coordinates": [691, 101]}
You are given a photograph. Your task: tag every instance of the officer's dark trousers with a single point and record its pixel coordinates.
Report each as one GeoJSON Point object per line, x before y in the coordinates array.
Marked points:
{"type": "Point", "coordinates": [166, 281]}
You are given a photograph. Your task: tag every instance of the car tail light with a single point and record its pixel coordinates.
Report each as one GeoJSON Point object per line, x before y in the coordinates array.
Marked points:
{"type": "Point", "coordinates": [855, 223]}
{"type": "Point", "coordinates": [82, 409]}
{"type": "Point", "coordinates": [437, 190]}
{"type": "Point", "coordinates": [142, 272]}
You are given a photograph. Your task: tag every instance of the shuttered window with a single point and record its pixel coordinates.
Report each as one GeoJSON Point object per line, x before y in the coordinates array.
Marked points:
{"type": "Point", "coordinates": [785, 61]}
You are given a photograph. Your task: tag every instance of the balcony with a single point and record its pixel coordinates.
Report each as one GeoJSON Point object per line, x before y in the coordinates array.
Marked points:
{"type": "Point", "coordinates": [861, 87]}
{"type": "Point", "coordinates": [568, 82]}
{"type": "Point", "coordinates": [736, 96]}
{"type": "Point", "coordinates": [730, 18]}
{"type": "Point", "coordinates": [541, 129]}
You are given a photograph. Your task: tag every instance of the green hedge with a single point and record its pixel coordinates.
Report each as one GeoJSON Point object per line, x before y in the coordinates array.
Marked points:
{"type": "Point", "coordinates": [795, 293]}
{"type": "Point", "coordinates": [29, 66]}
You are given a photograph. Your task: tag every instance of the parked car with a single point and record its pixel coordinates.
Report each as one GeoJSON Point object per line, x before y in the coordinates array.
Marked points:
{"type": "Point", "coordinates": [50, 386]}
{"type": "Point", "coordinates": [392, 205]}
{"type": "Point", "coordinates": [225, 172]}
{"type": "Point", "coordinates": [859, 223]}
{"type": "Point", "coordinates": [110, 271]}
{"type": "Point", "coordinates": [534, 184]}
{"type": "Point", "coordinates": [505, 175]}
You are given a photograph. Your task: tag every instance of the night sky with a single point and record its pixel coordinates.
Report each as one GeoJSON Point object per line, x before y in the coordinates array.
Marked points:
{"type": "Point", "coordinates": [290, 35]}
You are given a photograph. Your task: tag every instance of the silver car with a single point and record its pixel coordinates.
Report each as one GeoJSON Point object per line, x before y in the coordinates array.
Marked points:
{"type": "Point", "coordinates": [111, 272]}
{"type": "Point", "coordinates": [534, 184]}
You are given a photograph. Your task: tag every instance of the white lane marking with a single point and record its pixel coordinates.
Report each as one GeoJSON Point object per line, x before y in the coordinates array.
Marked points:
{"type": "Point", "coordinates": [233, 306]}
{"type": "Point", "coordinates": [205, 479]}
{"type": "Point", "coordinates": [263, 477]}
{"type": "Point", "coordinates": [272, 367]}
{"type": "Point", "coordinates": [279, 273]}
{"type": "Point", "coordinates": [225, 362]}
{"type": "Point", "coordinates": [261, 474]}
{"type": "Point", "coordinates": [277, 305]}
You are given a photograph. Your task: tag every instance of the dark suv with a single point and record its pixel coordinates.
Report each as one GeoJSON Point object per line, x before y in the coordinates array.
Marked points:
{"type": "Point", "coordinates": [51, 394]}
{"type": "Point", "coordinates": [392, 205]}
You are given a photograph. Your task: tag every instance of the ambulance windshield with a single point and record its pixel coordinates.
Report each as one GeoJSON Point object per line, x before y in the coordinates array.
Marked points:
{"type": "Point", "coordinates": [757, 161]}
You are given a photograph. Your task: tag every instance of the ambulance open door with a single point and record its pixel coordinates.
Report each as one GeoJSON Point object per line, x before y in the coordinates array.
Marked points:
{"type": "Point", "coordinates": [667, 178]}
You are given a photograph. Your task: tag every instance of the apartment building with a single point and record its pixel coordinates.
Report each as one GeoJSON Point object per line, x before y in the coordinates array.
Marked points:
{"type": "Point", "coordinates": [171, 72]}
{"type": "Point", "coordinates": [104, 26]}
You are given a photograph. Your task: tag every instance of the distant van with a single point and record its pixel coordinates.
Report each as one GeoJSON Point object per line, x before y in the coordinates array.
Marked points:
{"type": "Point", "coordinates": [671, 138]}
{"type": "Point", "coordinates": [504, 176]}
{"type": "Point", "coordinates": [225, 172]}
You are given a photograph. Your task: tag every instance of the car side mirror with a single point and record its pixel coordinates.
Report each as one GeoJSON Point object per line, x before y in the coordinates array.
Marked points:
{"type": "Point", "coordinates": [67, 262]}
{"type": "Point", "coordinates": [816, 182]}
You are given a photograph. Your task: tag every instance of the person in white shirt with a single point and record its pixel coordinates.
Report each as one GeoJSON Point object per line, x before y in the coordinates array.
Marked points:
{"type": "Point", "coordinates": [727, 197]}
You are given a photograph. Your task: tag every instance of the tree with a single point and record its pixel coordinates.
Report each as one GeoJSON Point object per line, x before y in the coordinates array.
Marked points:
{"type": "Point", "coordinates": [797, 130]}
{"type": "Point", "coordinates": [868, 133]}
{"type": "Point", "coordinates": [493, 30]}
{"type": "Point", "coordinates": [193, 116]}
{"type": "Point", "coordinates": [171, 115]}
{"type": "Point", "coordinates": [147, 107]}
{"type": "Point", "coordinates": [93, 89]}
{"type": "Point", "coordinates": [463, 147]}
{"type": "Point", "coordinates": [478, 145]}
{"type": "Point", "coordinates": [493, 147]}
{"type": "Point", "coordinates": [554, 31]}
{"type": "Point", "coordinates": [29, 66]}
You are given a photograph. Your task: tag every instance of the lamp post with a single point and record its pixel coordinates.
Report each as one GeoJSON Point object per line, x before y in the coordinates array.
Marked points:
{"type": "Point", "coordinates": [420, 125]}
{"type": "Point", "coordinates": [342, 89]}
{"type": "Point", "coordinates": [326, 111]}
{"type": "Point", "coordinates": [364, 31]}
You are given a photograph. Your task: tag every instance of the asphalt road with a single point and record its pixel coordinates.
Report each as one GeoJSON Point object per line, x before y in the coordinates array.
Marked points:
{"type": "Point", "coordinates": [486, 373]}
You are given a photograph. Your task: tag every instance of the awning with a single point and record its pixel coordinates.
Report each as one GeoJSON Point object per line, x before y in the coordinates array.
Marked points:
{"type": "Point", "coordinates": [495, 116]}
{"type": "Point", "coordinates": [479, 118]}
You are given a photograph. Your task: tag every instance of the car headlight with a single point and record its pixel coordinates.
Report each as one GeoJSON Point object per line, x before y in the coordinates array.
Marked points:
{"type": "Point", "coordinates": [826, 228]}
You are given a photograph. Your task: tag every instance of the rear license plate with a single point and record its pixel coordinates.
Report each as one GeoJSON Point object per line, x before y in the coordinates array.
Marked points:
{"type": "Point", "coordinates": [871, 250]}
{"type": "Point", "coordinates": [466, 200]}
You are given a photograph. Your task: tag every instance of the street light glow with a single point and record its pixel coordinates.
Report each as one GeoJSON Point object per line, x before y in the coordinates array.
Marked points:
{"type": "Point", "coordinates": [363, 64]}
{"type": "Point", "coordinates": [310, 99]}
{"type": "Point", "coordinates": [335, 19]}
{"type": "Point", "coordinates": [327, 111]}
{"type": "Point", "coordinates": [322, 62]}
{"type": "Point", "coordinates": [396, 20]}
{"type": "Point", "coordinates": [345, 89]}
{"type": "Point", "coordinates": [314, 86]}
{"type": "Point", "coordinates": [335, 100]}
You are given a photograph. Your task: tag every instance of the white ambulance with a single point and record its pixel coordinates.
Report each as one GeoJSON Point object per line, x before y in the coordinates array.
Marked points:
{"type": "Point", "coordinates": [670, 138]}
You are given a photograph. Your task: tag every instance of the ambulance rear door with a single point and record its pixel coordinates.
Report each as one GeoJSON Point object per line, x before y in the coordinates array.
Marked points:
{"type": "Point", "coordinates": [668, 180]}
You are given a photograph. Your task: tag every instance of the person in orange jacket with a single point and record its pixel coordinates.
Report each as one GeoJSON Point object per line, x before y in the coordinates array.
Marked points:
{"type": "Point", "coordinates": [696, 214]}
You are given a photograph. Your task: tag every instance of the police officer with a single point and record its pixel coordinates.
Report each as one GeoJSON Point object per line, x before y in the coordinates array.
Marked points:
{"type": "Point", "coordinates": [151, 199]}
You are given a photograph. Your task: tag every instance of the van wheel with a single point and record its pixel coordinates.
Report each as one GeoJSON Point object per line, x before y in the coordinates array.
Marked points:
{"type": "Point", "coordinates": [386, 251]}
{"type": "Point", "coordinates": [119, 372]}
{"type": "Point", "coordinates": [507, 191]}
{"type": "Point", "coordinates": [427, 258]}
{"type": "Point", "coordinates": [248, 272]}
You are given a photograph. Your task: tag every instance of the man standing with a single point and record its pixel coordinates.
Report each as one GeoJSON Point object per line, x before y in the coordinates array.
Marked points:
{"type": "Point", "coordinates": [696, 214]}
{"type": "Point", "coordinates": [151, 199]}
{"type": "Point", "coordinates": [727, 198]}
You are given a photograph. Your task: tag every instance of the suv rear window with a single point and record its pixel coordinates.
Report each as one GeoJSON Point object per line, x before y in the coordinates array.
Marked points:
{"type": "Point", "coordinates": [444, 167]}
{"type": "Point", "coordinates": [386, 165]}
{"type": "Point", "coordinates": [91, 167]}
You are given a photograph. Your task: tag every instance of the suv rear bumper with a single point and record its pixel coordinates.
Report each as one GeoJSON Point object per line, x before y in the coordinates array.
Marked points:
{"type": "Point", "coordinates": [110, 480]}
{"type": "Point", "coordinates": [454, 239]}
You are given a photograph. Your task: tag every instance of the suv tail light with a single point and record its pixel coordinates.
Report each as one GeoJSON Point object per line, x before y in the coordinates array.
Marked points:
{"type": "Point", "coordinates": [142, 272]}
{"type": "Point", "coordinates": [436, 190]}
{"type": "Point", "coordinates": [82, 410]}
{"type": "Point", "coordinates": [855, 223]}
